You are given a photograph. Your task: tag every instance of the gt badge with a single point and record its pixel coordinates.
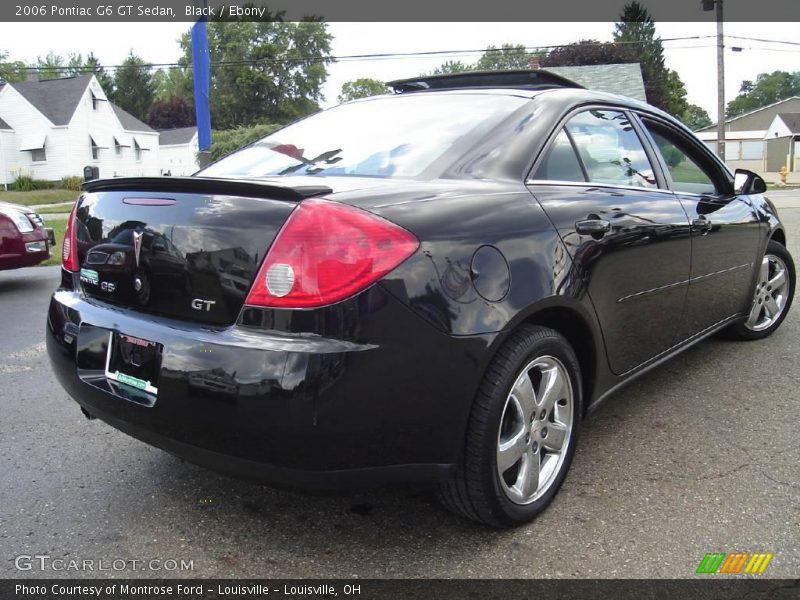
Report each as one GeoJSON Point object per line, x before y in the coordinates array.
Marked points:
{"type": "Point", "coordinates": [200, 304]}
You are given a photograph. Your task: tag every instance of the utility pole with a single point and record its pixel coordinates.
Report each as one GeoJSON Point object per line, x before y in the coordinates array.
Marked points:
{"type": "Point", "coordinates": [712, 5]}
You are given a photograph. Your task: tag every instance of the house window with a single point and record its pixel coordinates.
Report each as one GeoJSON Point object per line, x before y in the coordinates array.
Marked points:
{"type": "Point", "coordinates": [38, 155]}
{"type": "Point", "coordinates": [117, 147]}
{"type": "Point", "coordinates": [95, 149]}
{"type": "Point", "coordinates": [94, 101]}
{"type": "Point", "coordinates": [137, 151]}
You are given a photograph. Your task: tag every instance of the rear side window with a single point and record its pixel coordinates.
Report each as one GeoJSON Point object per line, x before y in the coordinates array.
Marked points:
{"type": "Point", "coordinates": [391, 136]}
{"type": "Point", "coordinates": [610, 149]}
{"type": "Point", "coordinates": [684, 165]}
{"type": "Point", "coordinates": [561, 162]}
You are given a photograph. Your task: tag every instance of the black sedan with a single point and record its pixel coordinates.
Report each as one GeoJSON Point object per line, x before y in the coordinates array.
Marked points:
{"type": "Point", "coordinates": [435, 285]}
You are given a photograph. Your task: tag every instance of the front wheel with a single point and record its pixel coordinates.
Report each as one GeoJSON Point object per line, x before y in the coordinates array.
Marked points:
{"type": "Point", "coordinates": [522, 431]}
{"type": "Point", "coordinates": [772, 296]}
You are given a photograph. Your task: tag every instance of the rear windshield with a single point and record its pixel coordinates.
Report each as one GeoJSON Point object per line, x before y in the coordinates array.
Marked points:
{"type": "Point", "coordinates": [395, 136]}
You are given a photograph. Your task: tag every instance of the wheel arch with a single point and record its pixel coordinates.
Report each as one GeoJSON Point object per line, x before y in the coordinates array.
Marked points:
{"type": "Point", "coordinates": [779, 235]}
{"type": "Point", "coordinates": [575, 322]}
{"type": "Point", "coordinates": [575, 328]}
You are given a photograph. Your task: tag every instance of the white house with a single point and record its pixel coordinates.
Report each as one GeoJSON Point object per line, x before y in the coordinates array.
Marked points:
{"type": "Point", "coordinates": [54, 128]}
{"type": "Point", "coordinates": [178, 150]}
{"type": "Point", "coordinates": [760, 140]}
{"type": "Point", "coordinates": [783, 142]}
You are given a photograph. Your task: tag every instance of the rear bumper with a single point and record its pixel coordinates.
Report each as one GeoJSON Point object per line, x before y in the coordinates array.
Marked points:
{"type": "Point", "coordinates": [289, 409]}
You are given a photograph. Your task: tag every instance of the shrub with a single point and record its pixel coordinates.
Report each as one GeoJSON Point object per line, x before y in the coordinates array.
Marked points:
{"type": "Point", "coordinates": [72, 182]}
{"type": "Point", "coordinates": [227, 141]}
{"type": "Point", "coordinates": [24, 183]}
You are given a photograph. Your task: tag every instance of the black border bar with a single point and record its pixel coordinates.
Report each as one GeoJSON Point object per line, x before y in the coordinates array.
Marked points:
{"type": "Point", "coordinates": [383, 11]}
{"type": "Point", "coordinates": [711, 587]}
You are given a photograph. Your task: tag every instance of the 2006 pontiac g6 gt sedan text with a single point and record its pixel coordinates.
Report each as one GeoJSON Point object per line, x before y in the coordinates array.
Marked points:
{"type": "Point", "coordinates": [434, 285]}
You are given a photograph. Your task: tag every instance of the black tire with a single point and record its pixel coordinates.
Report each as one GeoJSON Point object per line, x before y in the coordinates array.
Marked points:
{"type": "Point", "coordinates": [741, 331]}
{"type": "Point", "coordinates": [476, 490]}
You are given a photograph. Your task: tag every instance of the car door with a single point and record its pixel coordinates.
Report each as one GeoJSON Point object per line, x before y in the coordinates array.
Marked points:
{"type": "Point", "coordinates": [627, 234]}
{"type": "Point", "coordinates": [725, 228]}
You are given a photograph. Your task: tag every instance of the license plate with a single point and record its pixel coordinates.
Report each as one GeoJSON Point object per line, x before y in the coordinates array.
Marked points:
{"type": "Point", "coordinates": [133, 362]}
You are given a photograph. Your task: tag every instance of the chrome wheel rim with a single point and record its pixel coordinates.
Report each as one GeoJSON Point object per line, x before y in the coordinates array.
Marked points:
{"type": "Point", "coordinates": [535, 430]}
{"type": "Point", "coordinates": [771, 295]}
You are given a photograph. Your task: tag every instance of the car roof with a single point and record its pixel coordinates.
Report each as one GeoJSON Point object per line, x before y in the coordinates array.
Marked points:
{"type": "Point", "coordinates": [568, 96]}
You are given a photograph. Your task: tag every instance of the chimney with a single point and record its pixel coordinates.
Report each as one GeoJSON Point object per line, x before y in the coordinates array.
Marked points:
{"type": "Point", "coordinates": [534, 62]}
{"type": "Point", "coordinates": [31, 75]}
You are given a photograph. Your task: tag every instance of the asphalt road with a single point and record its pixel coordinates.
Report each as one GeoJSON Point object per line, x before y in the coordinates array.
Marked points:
{"type": "Point", "coordinates": [700, 455]}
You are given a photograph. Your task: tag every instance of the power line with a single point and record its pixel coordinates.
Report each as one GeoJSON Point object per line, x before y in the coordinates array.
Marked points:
{"type": "Point", "coordinates": [354, 57]}
{"type": "Point", "coordinates": [752, 39]}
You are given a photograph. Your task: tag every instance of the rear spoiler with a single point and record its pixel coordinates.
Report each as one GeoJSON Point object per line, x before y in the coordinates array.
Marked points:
{"type": "Point", "coordinates": [250, 188]}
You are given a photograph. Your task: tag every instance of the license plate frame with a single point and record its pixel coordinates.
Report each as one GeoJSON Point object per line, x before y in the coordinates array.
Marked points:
{"type": "Point", "coordinates": [134, 362]}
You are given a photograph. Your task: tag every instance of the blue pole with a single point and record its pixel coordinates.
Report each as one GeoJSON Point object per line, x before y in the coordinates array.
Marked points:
{"type": "Point", "coordinates": [201, 63]}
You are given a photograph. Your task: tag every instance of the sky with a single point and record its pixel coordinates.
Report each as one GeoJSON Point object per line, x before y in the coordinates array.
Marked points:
{"type": "Point", "coordinates": [694, 60]}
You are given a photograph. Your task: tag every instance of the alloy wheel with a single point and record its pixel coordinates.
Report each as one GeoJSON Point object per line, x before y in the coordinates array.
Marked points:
{"type": "Point", "coordinates": [771, 294]}
{"type": "Point", "coordinates": [535, 430]}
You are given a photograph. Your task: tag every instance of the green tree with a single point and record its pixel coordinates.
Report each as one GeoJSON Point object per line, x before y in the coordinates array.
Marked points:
{"type": "Point", "coordinates": [663, 86]}
{"type": "Point", "coordinates": [175, 81]}
{"type": "Point", "coordinates": [362, 88]}
{"type": "Point", "coordinates": [696, 117]}
{"type": "Point", "coordinates": [506, 57]}
{"type": "Point", "coordinates": [768, 88]}
{"type": "Point", "coordinates": [273, 71]}
{"type": "Point", "coordinates": [11, 70]}
{"type": "Point", "coordinates": [51, 66]}
{"type": "Point", "coordinates": [589, 52]}
{"type": "Point", "coordinates": [134, 89]}
{"type": "Point", "coordinates": [451, 66]}
{"type": "Point", "coordinates": [92, 65]}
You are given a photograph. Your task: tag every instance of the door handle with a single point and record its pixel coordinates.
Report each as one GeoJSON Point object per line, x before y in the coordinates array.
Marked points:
{"type": "Point", "coordinates": [598, 227]}
{"type": "Point", "coordinates": [701, 223]}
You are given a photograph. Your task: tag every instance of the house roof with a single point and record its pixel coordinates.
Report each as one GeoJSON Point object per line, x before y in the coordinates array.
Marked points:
{"type": "Point", "coordinates": [4, 125]}
{"type": "Point", "coordinates": [748, 113]}
{"type": "Point", "coordinates": [625, 78]}
{"type": "Point", "coordinates": [56, 99]}
{"type": "Point", "coordinates": [129, 122]}
{"type": "Point", "coordinates": [174, 137]}
{"type": "Point", "coordinates": [792, 121]}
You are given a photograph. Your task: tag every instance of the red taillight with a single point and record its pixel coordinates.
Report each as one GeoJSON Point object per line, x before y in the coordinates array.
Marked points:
{"type": "Point", "coordinates": [327, 252]}
{"type": "Point", "coordinates": [69, 250]}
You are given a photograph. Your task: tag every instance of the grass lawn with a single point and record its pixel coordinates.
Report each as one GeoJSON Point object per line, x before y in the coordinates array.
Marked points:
{"type": "Point", "coordinates": [49, 210]}
{"type": "Point", "coordinates": [58, 226]}
{"type": "Point", "coordinates": [39, 197]}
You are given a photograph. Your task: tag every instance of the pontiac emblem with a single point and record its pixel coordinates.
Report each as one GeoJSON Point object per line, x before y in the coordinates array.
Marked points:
{"type": "Point", "coordinates": [137, 245]}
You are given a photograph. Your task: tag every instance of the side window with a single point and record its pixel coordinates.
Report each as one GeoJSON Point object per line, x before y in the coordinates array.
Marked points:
{"type": "Point", "coordinates": [687, 173]}
{"type": "Point", "coordinates": [561, 163]}
{"type": "Point", "coordinates": [610, 149]}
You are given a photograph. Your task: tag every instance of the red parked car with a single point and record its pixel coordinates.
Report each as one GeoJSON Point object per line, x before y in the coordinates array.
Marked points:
{"type": "Point", "coordinates": [24, 240]}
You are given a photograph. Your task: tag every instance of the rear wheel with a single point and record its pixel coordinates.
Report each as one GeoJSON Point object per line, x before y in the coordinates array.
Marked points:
{"type": "Point", "coordinates": [772, 296]}
{"type": "Point", "coordinates": [522, 431]}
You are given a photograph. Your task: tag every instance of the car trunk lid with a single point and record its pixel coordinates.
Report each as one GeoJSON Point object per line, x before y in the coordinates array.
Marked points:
{"type": "Point", "coordinates": [187, 248]}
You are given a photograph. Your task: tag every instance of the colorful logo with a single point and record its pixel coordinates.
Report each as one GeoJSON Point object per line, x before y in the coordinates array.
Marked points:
{"type": "Point", "coordinates": [737, 562]}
